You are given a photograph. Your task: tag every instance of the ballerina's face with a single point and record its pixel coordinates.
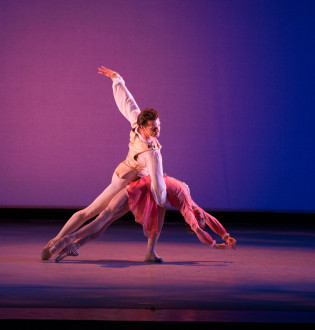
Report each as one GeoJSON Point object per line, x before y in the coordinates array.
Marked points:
{"type": "Point", "coordinates": [202, 223]}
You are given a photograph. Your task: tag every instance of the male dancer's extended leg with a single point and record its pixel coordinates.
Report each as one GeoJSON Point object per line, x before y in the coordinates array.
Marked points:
{"type": "Point", "coordinates": [70, 244]}
{"type": "Point", "coordinates": [80, 217]}
{"type": "Point", "coordinates": [116, 209]}
{"type": "Point", "coordinates": [104, 218]}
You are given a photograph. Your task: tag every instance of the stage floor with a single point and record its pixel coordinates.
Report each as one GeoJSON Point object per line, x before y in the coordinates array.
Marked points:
{"type": "Point", "coordinates": [270, 278]}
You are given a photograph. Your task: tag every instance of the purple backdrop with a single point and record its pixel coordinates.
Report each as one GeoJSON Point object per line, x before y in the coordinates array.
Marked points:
{"type": "Point", "coordinates": [232, 80]}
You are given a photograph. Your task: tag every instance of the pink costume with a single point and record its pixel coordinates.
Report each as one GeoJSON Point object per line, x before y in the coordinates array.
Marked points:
{"type": "Point", "coordinates": [143, 207]}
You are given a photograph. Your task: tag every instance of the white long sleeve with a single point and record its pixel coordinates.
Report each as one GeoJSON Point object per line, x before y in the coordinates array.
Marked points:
{"type": "Point", "coordinates": [124, 100]}
{"type": "Point", "coordinates": [153, 160]}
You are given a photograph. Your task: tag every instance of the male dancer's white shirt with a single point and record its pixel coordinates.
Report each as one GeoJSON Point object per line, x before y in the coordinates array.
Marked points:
{"type": "Point", "coordinates": [151, 160]}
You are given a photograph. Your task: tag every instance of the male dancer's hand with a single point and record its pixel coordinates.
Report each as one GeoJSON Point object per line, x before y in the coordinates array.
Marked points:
{"type": "Point", "coordinates": [107, 72]}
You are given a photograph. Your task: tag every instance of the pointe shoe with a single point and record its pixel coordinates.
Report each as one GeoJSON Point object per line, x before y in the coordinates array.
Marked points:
{"type": "Point", "coordinates": [70, 250]}
{"type": "Point", "coordinates": [61, 243]}
{"type": "Point", "coordinates": [46, 254]}
{"type": "Point", "coordinates": [152, 257]}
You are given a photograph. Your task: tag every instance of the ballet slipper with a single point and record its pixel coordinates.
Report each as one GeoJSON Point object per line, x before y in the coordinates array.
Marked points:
{"type": "Point", "coordinates": [152, 257]}
{"type": "Point", "coordinates": [70, 250]}
{"type": "Point", "coordinates": [46, 254]}
{"type": "Point", "coordinates": [61, 243]}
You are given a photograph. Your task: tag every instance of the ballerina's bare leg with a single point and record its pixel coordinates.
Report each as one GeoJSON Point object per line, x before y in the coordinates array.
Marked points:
{"type": "Point", "coordinates": [95, 208]}
{"type": "Point", "coordinates": [104, 220]}
{"type": "Point", "coordinates": [116, 209]}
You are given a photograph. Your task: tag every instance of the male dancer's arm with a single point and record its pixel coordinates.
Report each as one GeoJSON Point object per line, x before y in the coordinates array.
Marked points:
{"type": "Point", "coordinates": [153, 160]}
{"type": "Point", "coordinates": [130, 110]}
{"type": "Point", "coordinates": [123, 98]}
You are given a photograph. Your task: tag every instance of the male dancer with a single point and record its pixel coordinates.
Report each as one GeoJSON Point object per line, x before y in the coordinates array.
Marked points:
{"type": "Point", "coordinates": [144, 158]}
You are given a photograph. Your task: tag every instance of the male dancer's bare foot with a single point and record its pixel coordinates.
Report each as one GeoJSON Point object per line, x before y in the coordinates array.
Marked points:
{"type": "Point", "coordinates": [152, 257]}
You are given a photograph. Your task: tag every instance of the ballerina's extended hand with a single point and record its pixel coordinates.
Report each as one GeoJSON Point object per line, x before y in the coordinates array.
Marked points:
{"type": "Point", "coordinates": [231, 242]}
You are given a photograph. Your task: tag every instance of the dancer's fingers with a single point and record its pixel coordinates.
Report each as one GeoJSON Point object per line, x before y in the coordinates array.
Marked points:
{"type": "Point", "coordinates": [106, 73]}
{"type": "Point", "coordinates": [101, 71]}
{"type": "Point", "coordinates": [232, 243]}
{"type": "Point", "coordinates": [220, 246]}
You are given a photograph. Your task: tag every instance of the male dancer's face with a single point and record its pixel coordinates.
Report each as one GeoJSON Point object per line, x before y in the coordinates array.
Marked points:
{"type": "Point", "coordinates": [152, 129]}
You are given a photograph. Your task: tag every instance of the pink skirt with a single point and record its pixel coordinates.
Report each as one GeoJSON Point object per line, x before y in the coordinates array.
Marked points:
{"type": "Point", "coordinates": [144, 207]}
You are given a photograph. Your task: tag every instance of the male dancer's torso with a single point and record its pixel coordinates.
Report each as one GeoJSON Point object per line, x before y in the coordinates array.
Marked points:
{"type": "Point", "coordinates": [131, 168]}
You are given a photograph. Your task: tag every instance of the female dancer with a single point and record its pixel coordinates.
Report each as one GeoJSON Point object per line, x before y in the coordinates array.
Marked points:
{"type": "Point", "coordinates": [138, 199]}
